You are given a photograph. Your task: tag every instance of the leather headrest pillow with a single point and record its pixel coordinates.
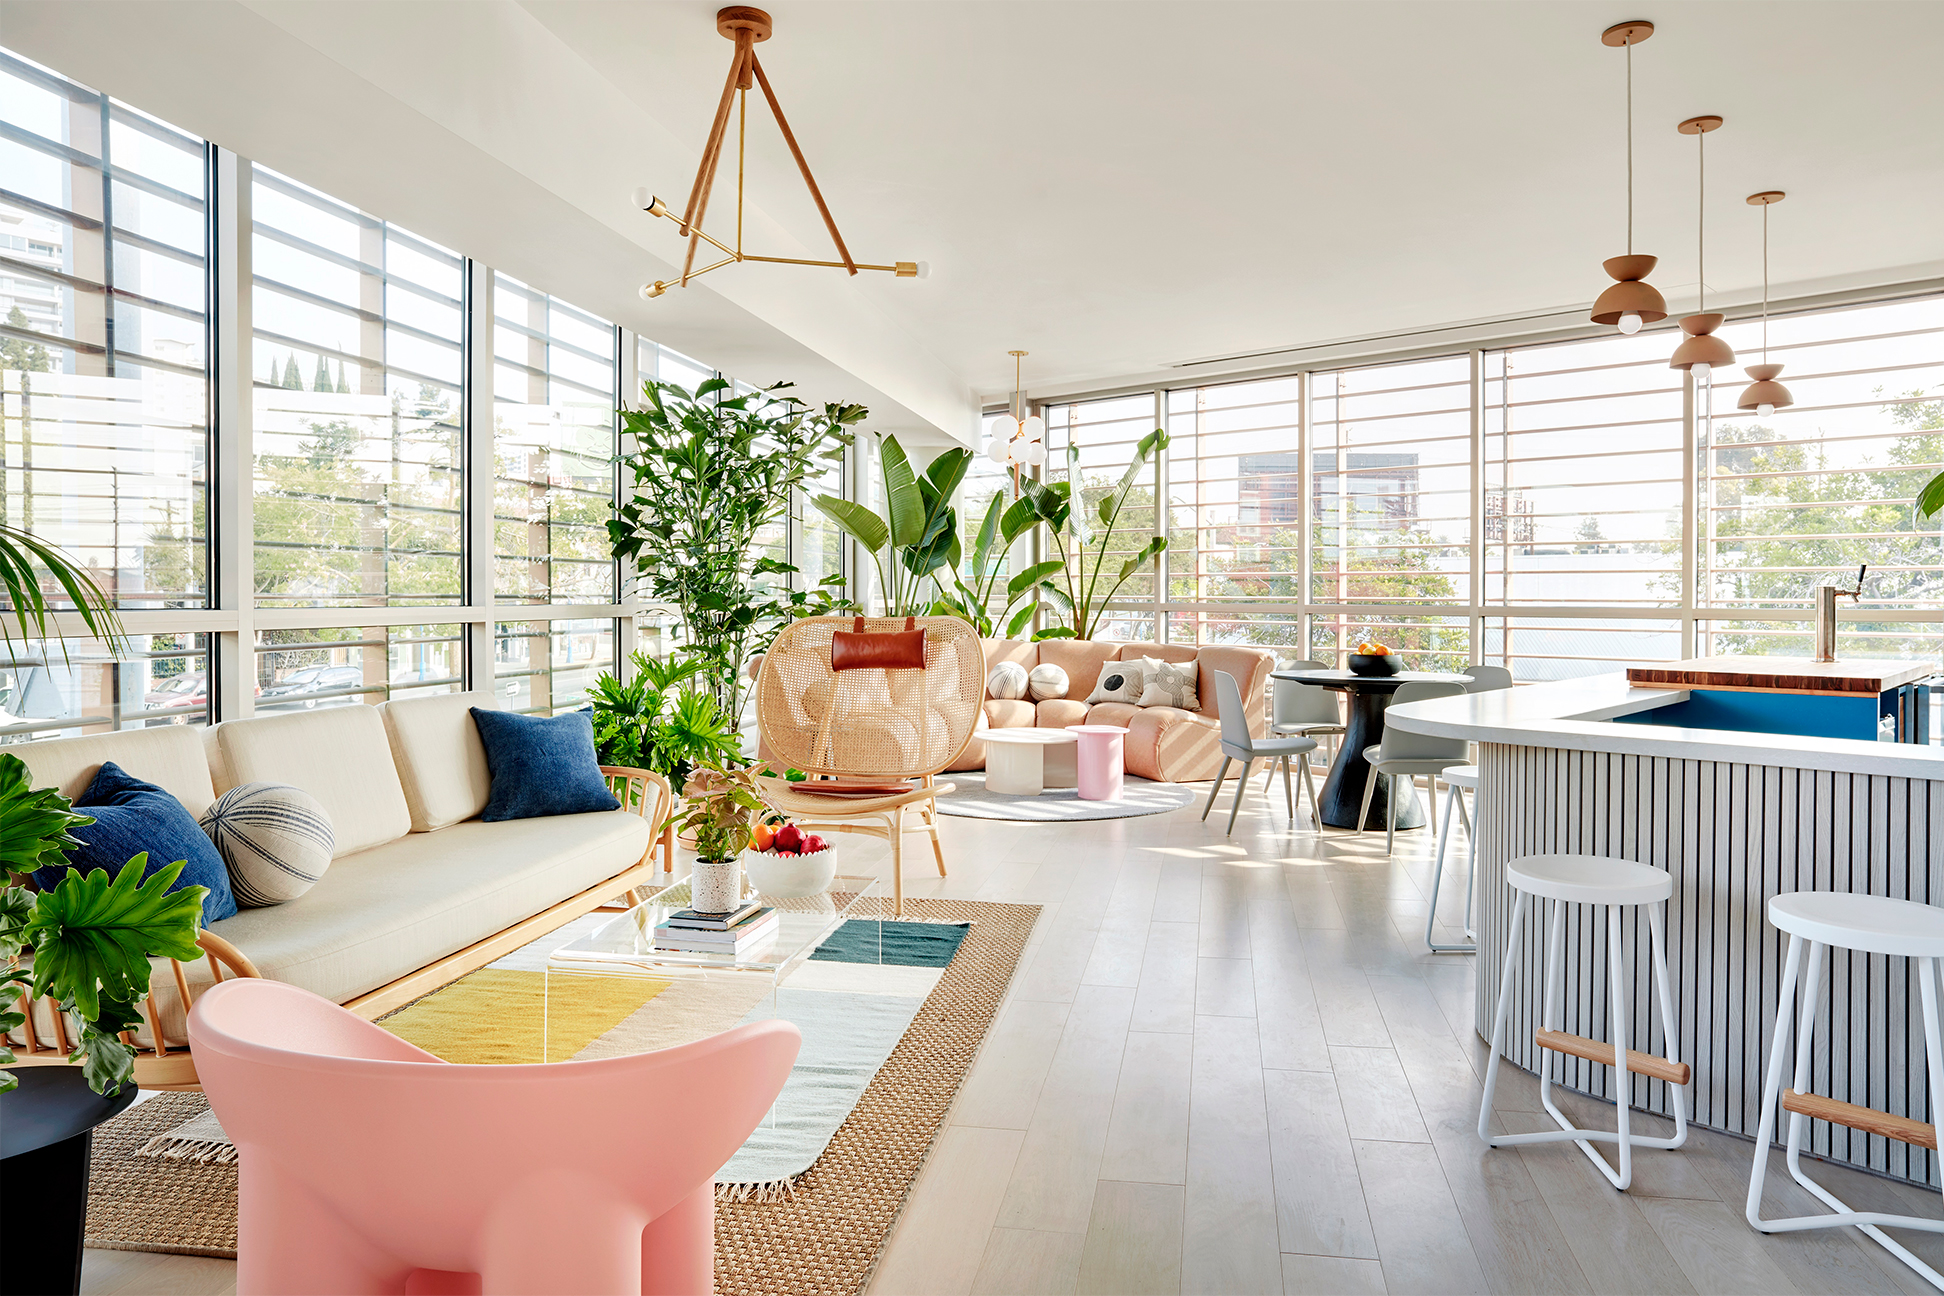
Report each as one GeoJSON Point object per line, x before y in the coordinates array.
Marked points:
{"type": "Point", "coordinates": [886, 650]}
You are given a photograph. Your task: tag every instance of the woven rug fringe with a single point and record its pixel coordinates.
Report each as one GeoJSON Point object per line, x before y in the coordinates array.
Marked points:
{"type": "Point", "coordinates": [170, 1147]}
{"type": "Point", "coordinates": [769, 1193]}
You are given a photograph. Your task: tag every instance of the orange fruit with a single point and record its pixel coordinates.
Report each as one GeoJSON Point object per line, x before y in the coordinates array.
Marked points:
{"type": "Point", "coordinates": [763, 837]}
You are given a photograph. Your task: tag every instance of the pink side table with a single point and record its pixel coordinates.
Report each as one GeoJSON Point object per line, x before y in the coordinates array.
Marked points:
{"type": "Point", "coordinates": [1099, 759]}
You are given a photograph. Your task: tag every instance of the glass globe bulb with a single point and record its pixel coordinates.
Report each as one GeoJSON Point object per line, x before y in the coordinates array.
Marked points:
{"type": "Point", "coordinates": [997, 452]}
{"type": "Point", "coordinates": [1035, 428]}
{"type": "Point", "coordinates": [1701, 370]}
{"type": "Point", "coordinates": [1630, 321]}
{"type": "Point", "coordinates": [1765, 410]}
{"type": "Point", "coordinates": [1035, 453]}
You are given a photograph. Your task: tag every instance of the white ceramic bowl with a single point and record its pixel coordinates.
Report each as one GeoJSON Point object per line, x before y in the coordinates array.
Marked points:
{"type": "Point", "coordinates": [783, 876]}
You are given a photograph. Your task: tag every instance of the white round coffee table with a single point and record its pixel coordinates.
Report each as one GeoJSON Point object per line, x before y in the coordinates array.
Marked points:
{"type": "Point", "coordinates": [1025, 762]}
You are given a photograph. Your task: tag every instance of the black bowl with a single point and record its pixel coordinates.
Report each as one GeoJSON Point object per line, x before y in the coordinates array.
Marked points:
{"type": "Point", "coordinates": [1374, 664]}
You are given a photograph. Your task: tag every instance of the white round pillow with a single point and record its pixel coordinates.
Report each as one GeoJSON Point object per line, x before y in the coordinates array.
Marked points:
{"type": "Point", "coordinates": [1007, 682]}
{"type": "Point", "coordinates": [1046, 681]}
{"type": "Point", "coordinates": [276, 841]}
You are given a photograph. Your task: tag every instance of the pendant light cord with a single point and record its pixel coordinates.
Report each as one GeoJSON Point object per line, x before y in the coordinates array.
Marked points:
{"type": "Point", "coordinates": [1629, 144]}
{"type": "Point", "coordinates": [1765, 208]}
{"type": "Point", "coordinates": [1701, 220]}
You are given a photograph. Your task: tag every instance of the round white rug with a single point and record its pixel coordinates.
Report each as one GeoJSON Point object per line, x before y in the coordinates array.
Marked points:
{"type": "Point", "coordinates": [1139, 796]}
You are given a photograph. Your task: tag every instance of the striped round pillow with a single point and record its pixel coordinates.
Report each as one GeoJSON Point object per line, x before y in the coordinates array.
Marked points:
{"type": "Point", "coordinates": [1007, 682]}
{"type": "Point", "coordinates": [275, 839]}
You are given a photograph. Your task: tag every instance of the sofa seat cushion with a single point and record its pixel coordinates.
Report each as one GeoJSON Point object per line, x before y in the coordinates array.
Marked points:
{"type": "Point", "coordinates": [339, 755]}
{"type": "Point", "coordinates": [1059, 713]}
{"type": "Point", "coordinates": [1171, 745]}
{"type": "Point", "coordinates": [1013, 713]}
{"type": "Point", "coordinates": [385, 912]}
{"type": "Point", "coordinates": [441, 761]}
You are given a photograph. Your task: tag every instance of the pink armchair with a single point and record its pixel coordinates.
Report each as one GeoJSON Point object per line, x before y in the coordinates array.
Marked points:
{"type": "Point", "coordinates": [368, 1165]}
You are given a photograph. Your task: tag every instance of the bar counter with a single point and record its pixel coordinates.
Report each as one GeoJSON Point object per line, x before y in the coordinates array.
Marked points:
{"type": "Point", "coordinates": [1736, 817]}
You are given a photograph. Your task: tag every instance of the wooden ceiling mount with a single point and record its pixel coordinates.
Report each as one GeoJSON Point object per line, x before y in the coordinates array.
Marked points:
{"type": "Point", "coordinates": [1699, 125]}
{"type": "Point", "coordinates": [741, 18]}
{"type": "Point", "coordinates": [1766, 197]}
{"type": "Point", "coordinates": [1631, 32]}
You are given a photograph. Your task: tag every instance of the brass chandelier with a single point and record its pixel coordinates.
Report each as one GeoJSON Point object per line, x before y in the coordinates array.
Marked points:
{"type": "Point", "coordinates": [746, 26]}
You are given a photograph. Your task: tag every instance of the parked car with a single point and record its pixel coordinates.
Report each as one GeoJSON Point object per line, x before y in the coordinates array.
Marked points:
{"type": "Point", "coordinates": [301, 687]}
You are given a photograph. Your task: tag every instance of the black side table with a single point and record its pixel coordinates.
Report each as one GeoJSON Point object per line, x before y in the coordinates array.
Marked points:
{"type": "Point", "coordinates": [46, 1136]}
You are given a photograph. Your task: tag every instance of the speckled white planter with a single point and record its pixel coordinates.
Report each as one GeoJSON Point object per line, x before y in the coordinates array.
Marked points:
{"type": "Point", "coordinates": [715, 887]}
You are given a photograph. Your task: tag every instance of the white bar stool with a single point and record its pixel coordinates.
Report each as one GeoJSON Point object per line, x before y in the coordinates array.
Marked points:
{"type": "Point", "coordinates": [1875, 925]}
{"type": "Point", "coordinates": [1458, 780]}
{"type": "Point", "coordinates": [1589, 880]}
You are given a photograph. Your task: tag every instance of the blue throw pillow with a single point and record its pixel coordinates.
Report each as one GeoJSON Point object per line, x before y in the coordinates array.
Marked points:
{"type": "Point", "coordinates": [541, 766]}
{"type": "Point", "coordinates": [131, 816]}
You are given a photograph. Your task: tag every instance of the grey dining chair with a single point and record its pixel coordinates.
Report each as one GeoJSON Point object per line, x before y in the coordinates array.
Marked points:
{"type": "Point", "coordinates": [1238, 744]}
{"type": "Point", "coordinates": [1406, 754]}
{"type": "Point", "coordinates": [1486, 678]}
{"type": "Point", "coordinates": [1304, 709]}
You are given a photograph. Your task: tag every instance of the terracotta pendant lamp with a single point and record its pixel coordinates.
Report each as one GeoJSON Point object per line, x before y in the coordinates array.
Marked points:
{"type": "Point", "coordinates": [1701, 350]}
{"type": "Point", "coordinates": [1764, 395]}
{"type": "Point", "coordinates": [1018, 439]}
{"type": "Point", "coordinates": [1632, 301]}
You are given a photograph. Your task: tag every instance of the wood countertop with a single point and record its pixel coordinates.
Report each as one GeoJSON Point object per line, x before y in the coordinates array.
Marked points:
{"type": "Point", "coordinates": [1857, 677]}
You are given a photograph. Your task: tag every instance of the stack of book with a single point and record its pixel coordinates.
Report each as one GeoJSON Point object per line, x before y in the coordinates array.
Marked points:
{"type": "Point", "coordinates": [735, 933]}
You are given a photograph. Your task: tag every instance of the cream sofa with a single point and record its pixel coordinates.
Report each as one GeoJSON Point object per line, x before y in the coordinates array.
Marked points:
{"type": "Point", "coordinates": [419, 890]}
{"type": "Point", "coordinates": [1164, 743]}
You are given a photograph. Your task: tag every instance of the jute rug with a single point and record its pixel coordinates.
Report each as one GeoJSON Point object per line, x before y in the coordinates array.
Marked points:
{"type": "Point", "coordinates": [823, 1239]}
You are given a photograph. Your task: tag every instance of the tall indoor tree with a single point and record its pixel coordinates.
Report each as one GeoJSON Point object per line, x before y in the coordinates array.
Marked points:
{"type": "Point", "coordinates": [710, 470]}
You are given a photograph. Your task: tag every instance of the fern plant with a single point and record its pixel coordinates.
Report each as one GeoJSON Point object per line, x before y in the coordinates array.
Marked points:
{"type": "Point", "coordinates": [651, 723]}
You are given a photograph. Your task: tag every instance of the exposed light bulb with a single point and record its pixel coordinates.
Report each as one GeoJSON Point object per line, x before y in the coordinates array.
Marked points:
{"type": "Point", "coordinates": [1701, 370]}
{"type": "Point", "coordinates": [1630, 322]}
{"type": "Point", "coordinates": [1765, 410]}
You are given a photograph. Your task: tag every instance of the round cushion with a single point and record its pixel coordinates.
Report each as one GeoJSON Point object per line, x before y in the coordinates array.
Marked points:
{"type": "Point", "coordinates": [1046, 681]}
{"type": "Point", "coordinates": [276, 841]}
{"type": "Point", "coordinates": [1007, 682]}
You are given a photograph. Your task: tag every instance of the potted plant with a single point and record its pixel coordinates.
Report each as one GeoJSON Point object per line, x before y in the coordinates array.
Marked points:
{"type": "Point", "coordinates": [91, 936]}
{"type": "Point", "coordinates": [917, 535]}
{"type": "Point", "coordinates": [710, 470]}
{"type": "Point", "coordinates": [722, 813]}
{"type": "Point", "coordinates": [1082, 554]}
{"type": "Point", "coordinates": [788, 862]}
{"type": "Point", "coordinates": [655, 722]}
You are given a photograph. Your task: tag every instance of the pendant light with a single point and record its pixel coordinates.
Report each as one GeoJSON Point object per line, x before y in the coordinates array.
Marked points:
{"type": "Point", "coordinates": [1018, 439]}
{"type": "Point", "coordinates": [746, 27]}
{"type": "Point", "coordinates": [1632, 301]}
{"type": "Point", "coordinates": [1700, 351]}
{"type": "Point", "coordinates": [1764, 395]}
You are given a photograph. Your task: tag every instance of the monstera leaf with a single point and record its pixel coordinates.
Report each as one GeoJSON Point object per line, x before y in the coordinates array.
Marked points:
{"type": "Point", "coordinates": [92, 937]}
{"type": "Point", "coordinates": [33, 824]}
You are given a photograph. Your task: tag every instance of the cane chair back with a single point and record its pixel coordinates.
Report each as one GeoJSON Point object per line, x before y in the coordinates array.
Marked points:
{"type": "Point", "coordinates": [873, 722]}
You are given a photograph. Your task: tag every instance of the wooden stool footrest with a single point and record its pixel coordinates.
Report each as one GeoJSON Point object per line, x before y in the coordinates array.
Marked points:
{"type": "Point", "coordinates": [1868, 1119]}
{"type": "Point", "coordinates": [1638, 1063]}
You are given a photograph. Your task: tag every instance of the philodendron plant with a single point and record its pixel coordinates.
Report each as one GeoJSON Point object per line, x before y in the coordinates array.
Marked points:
{"type": "Point", "coordinates": [723, 810]}
{"type": "Point", "coordinates": [91, 936]}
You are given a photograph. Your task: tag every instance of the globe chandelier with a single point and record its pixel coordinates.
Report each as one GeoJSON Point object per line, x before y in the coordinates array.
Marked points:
{"type": "Point", "coordinates": [1018, 439]}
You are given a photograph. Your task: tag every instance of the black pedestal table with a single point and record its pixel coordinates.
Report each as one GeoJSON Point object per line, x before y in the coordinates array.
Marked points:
{"type": "Point", "coordinates": [1369, 696]}
{"type": "Point", "coordinates": [46, 1133]}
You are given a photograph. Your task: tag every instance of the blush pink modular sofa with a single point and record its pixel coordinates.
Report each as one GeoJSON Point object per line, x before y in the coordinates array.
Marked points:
{"type": "Point", "coordinates": [1163, 743]}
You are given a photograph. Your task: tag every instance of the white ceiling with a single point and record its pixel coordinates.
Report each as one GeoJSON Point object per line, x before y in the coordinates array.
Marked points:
{"type": "Point", "coordinates": [1116, 187]}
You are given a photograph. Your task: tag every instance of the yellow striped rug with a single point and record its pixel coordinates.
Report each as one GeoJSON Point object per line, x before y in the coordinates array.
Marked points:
{"type": "Point", "coordinates": [499, 1015]}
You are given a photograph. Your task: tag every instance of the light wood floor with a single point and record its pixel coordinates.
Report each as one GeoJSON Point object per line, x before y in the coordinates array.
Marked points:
{"type": "Point", "coordinates": [1227, 1065]}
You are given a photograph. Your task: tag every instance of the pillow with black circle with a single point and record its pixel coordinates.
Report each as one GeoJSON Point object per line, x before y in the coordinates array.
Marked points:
{"type": "Point", "coordinates": [276, 841]}
{"type": "Point", "coordinates": [1171, 684]}
{"type": "Point", "coordinates": [1120, 681]}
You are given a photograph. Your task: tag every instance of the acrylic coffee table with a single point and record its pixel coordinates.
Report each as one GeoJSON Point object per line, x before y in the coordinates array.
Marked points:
{"type": "Point", "coordinates": [624, 946]}
{"type": "Point", "coordinates": [1100, 755]}
{"type": "Point", "coordinates": [1025, 762]}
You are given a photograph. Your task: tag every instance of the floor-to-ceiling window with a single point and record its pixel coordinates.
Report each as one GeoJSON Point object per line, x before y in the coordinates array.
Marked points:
{"type": "Point", "coordinates": [104, 429]}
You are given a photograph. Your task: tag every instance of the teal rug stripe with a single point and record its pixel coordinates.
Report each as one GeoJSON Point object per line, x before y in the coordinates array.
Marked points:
{"type": "Point", "coordinates": [906, 944]}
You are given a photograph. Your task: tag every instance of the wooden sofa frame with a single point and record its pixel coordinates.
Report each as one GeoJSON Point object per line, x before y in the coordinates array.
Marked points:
{"type": "Point", "coordinates": [162, 1066]}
